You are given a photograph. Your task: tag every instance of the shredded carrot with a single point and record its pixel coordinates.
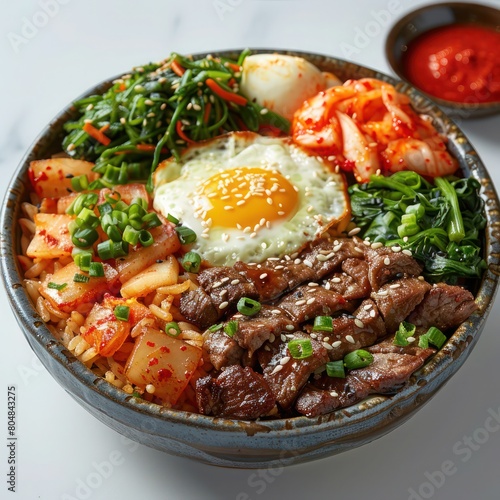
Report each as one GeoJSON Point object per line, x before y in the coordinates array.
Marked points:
{"type": "Point", "coordinates": [104, 128]}
{"type": "Point", "coordinates": [206, 114]}
{"type": "Point", "coordinates": [149, 147]}
{"type": "Point", "coordinates": [224, 94]}
{"type": "Point", "coordinates": [181, 134]}
{"type": "Point", "coordinates": [233, 66]}
{"type": "Point", "coordinates": [177, 68]}
{"type": "Point", "coordinates": [96, 134]}
{"type": "Point", "coordinates": [231, 82]}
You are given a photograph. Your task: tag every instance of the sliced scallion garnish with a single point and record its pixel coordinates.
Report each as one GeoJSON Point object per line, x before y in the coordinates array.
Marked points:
{"type": "Point", "coordinates": [248, 307]}
{"type": "Point", "coordinates": [56, 286]}
{"type": "Point", "coordinates": [300, 348]}
{"type": "Point", "coordinates": [122, 312]}
{"type": "Point", "coordinates": [358, 359]}
{"type": "Point", "coordinates": [172, 329]}
{"type": "Point", "coordinates": [335, 369]}
{"type": "Point", "coordinates": [323, 324]}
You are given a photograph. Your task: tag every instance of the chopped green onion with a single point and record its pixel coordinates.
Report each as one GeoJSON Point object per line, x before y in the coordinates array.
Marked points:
{"type": "Point", "coordinates": [300, 348]}
{"type": "Point", "coordinates": [433, 336]}
{"type": "Point", "coordinates": [151, 220]}
{"type": "Point", "coordinates": [80, 183]}
{"type": "Point", "coordinates": [172, 329]}
{"type": "Point", "coordinates": [143, 203]}
{"type": "Point", "coordinates": [323, 324]}
{"type": "Point", "coordinates": [131, 235]}
{"type": "Point", "coordinates": [405, 330]}
{"type": "Point", "coordinates": [335, 369]}
{"type": "Point", "coordinates": [109, 197]}
{"type": "Point", "coordinates": [231, 328]}
{"type": "Point", "coordinates": [358, 359]}
{"type": "Point", "coordinates": [80, 278]}
{"type": "Point", "coordinates": [247, 306]}
{"type": "Point", "coordinates": [191, 262]}
{"type": "Point", "coordinates": [122, 313]}
{"type": "Point", "coordinates": [83, 260]}
{"type": "Point", "coordinates": [104, 208]}
{"type": "Point", "coordinates": [216, 327]}
{"type": "Point", "coordinates": [112, 249]}
{"type": "Point", "coordinates": [121, 218]}
{"type": "Point", "coordinates": [186, 235]}
{"type": "Point", "coordinates": [56, 286]}
{"type": "Point", "coordinates": [96, 270]}
{"type": "Point", "coordinates": [146, 238]}
{"type": "Point", "coordinates": [87, 218]}
{"type": "Point", "coordinates": [114, 233]}
{"type": "Point", "coordinates": [84, 237]}
{"type": "Point", "coordinates": [172, 219]}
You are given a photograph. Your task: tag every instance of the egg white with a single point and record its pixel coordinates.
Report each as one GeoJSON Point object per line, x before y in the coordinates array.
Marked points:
{"type": "Point", "coordinates": [321, 192]}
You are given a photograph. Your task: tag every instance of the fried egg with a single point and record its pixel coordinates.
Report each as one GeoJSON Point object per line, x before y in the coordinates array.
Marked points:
{"type": "Point", "coordinates": [249, 197]}
{"type": "Point", "coordinates": [282, 83]}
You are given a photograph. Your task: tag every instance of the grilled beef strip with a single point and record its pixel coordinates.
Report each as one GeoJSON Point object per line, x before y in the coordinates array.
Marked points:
{"type": "Point", "coordinates": [267, 324]}
{"type": "Point", "coordinates": [352, 283]}
{"type": "Point", "coordinates": [397, 300]}
{"type": "Point", "coordinates": [388, 373]}
{"type": "Point", "coordinates": [386, 265]}
{"type": "Point", "coordinates": [222, 350]}
{"type": "Point", "coordinates": [360, 330]}
{"type": "Point", "coordinates": [444, 306]}
{"type": "Point", "coordinates": [237, 392]}
{"type": "Point", "coordinates": [285, 374]}
{"type": "Point", "coordinates": [196, 306]}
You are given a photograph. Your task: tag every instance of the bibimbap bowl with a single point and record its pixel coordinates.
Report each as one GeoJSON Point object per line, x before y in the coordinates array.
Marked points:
{"type": "Point", "coordinates": [261, 443]}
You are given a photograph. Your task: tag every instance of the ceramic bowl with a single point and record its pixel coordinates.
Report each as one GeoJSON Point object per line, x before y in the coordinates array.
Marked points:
{"type": "Point", "coordinates": [432, 16]}
{"type": "Point", "coordinates": [237, 443]}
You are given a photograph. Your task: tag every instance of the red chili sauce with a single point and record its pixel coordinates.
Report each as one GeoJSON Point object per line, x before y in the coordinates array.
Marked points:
{"type": "Point", "coordinates": [460, 63]}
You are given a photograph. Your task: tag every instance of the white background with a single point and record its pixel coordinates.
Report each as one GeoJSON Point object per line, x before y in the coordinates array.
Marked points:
{"type": "Point", "coordinates": [60, 445]}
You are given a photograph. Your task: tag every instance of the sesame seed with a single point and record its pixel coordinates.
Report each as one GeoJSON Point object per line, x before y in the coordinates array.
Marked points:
{"type": "Point", "coordinates": [396, 249]}
{"type": "Point", "coordinates": [221, 294]}
{"type": "Point", "coordinates": [264, 111]}
{"type": "Point", "coordinates": [327, 346]}
{"type": "Point", "coordinates": [89, 107]}
{"type": "Point", "coordinates": [357, 249]}
{"type": "Point", "coordinates": [310, 301]}
{"type": "Point", "coordinates": [225, 197]}
{"type": "Point", "coordinates": [421, 278]}
{"type": "Point", "coordinates": [377, 244]}
{"type": "Point", "coordinates": [336, 280]}
{"type": "Point", "coordinates": [313, 336]}
{"type": "Point", "coordinates": [354, 231]}
{"type": "Point", "coordinates": [283, 338]}
{"type": "Point", "coordinates": [266, 347]}
{"type": "Point", "coordinates": [235, 281]}
{"type": "Point", "coordinates": [387, 261]}
{"type": "Point", "coordinates": [336, 344]}
{"type": "Point", "coordinates": [196, 107]}
{"type": "Point", "coordinates": [205, 235]}
{"type": "Point", "coordinates": [279, 267]}
{"type": "Point", "coordinates": [382, 293]}
{"type": "Point", "coordinates": [367, 307]}
{"type": "Point", "coordinates": [373, 313]}
{"type": "Point", "coordinates": [123, 121]}
{"type": "Point", "coordinates": [150, 388]}
{"type": "Point", "coordinates": [367, 243]}
{"type": "Point", "coordinates": [224, 280]}
{"type": "Point", "coordinates": [276, 311]}
{"type": "Point", "coordinates": [359, 323]}
{"type": "Point", "coordinates": [289, 327]}
{"type": "Point", "coordinates": [326, 339]}
{"type": "Point", "coordinates": [334, 394]}
{"type": "Point", "coordinates": [262, 276]}
{"type": "Point", "coordinates": [277, 369]}
{"type": "Point", "coordinates": [410, 339]}
{"type": "Point", "coordinates": [272, 337]}
{"type": "Point", "coordinates": [71, 147]}
{"type": "Point", "coordinates": [225, 237]}
{"type": "Point", "coordinates": [336, 248]}
{"type": "Point", "coordinates": [281, 212]}
{"type": "Point", "coordinates": [297, 261]}
{"type": "Point", "coordinates": [253, 235]}
{"type": "Point", "coordinates": [407, 252]}
{"type": "Point", "coordinates": [223, 305]}
{"type": "Point", "coordinates": [289, 335]}
{"type": "Point", "coordinates": [307, 263]}
{"type": "Point", "coordinates": [269, 201]}
{"type": "Point", "coordinates": [350, 339]}
{"type": "Point", "coordinates": [405, 239]}
{"type": "Point", "coordinates": [300, 302]}
{"type": "Point", "coordinates": [395, 285]}
{"type": "Point", "coordinates": [189, 106]}
{"type": "Point", "coordinates": [285, 360]}
{"type": "Point", "coordinates": [228, 207]}
{"type": "Point", "coordinates": [327, 286]}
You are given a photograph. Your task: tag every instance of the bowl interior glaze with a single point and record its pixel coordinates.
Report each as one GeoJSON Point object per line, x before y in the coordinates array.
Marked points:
{"type": "Point", "coordinates": [233, 443]}
{"type": "Point", "coordinates": [433, 16]}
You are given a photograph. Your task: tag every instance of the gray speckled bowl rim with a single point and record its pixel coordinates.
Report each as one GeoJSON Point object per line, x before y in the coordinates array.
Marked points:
{"type": "Point", "coordinates": [312, 437]}
{"type": "Point", "coordinates": [458, 109]}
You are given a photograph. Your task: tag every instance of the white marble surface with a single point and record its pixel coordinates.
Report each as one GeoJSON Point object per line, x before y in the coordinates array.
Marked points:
{"type": "Point", "coordinates": [60, 446]}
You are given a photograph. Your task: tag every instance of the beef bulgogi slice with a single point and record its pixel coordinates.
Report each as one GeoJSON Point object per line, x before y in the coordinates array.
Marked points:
{"type": "Point", "coordinates": [388, 373]}
{"type": "Point", "coordinates": [197, 307]}
{"type": "Point", "coordinates": [387, 346]}
{"type": "Point", "coordinates": [444, 306]}
{"type": "Point", "coordinates": [353, 282]}
{"type": "Point", "coordinates": [268, 323]}
{"type": "Point", "coordinates": [386, 265]}
{"type": "Point", "coordinates": [222, 350]}
{"type": "Point", "coordinates": [362, 329]}
{"type": "Point", "coordinates": [397, 300]}
{"type": "Point", "coordinates": [285, 374]}
{"type": "Point", "coordinates": [308, 301]}
{"type": "Point", "coordinates": [237, 392]}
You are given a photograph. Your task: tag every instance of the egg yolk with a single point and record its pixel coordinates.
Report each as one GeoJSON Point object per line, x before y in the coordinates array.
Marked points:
{"type": "Point", "coordinates": [248, 197]}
